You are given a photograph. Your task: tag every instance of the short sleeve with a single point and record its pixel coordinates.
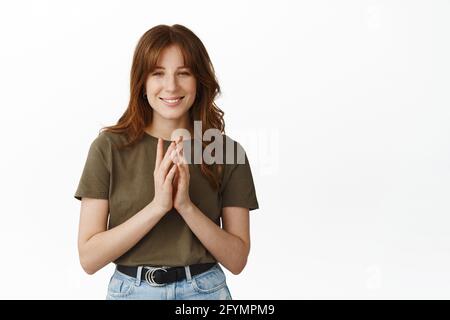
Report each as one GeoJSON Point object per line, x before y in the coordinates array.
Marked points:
{"type": "Point", "coordinates": [238, 188]}
{"type": "Point", "coordinates": [94, 181]}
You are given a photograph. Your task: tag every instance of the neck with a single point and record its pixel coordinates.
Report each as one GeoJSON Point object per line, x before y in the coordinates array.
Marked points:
{"type": "Point", "coordinates": [163, 128]}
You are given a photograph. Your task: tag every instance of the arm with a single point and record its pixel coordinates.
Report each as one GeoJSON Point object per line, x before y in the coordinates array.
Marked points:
{"type": "Point", "coordinates": [98, 247]}
{"type": "Point", "coordinates": [230, 245]}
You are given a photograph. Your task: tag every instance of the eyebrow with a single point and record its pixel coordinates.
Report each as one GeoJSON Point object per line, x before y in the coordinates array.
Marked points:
{"type": "Point", "coordinates": [181, 67]}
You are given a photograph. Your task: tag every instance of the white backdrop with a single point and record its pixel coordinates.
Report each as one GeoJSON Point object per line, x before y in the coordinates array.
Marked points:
{"type": "Point", "coordinates": [342, 107]}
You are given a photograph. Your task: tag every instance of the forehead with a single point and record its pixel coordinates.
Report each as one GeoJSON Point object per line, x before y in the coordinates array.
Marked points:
{"type": "Point", "coordinates": [171, 56]}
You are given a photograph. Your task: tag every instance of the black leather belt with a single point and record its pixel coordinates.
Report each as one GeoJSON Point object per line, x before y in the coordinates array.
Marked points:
{"type": "Point", "coordinates": [159, 276]}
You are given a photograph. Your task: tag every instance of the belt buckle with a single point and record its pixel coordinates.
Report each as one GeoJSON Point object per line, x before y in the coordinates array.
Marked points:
{"type": "Point", "coordinates": [150, 277]}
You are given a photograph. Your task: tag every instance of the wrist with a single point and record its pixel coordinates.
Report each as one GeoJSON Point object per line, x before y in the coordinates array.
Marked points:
{"type": "Point", "coordinates": [185, 208]}
{"type": "Point", "coordinates": [156, 209]}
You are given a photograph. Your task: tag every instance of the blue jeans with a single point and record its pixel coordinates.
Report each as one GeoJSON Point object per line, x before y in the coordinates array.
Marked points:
{"type": "Point", "coordinates": [209, 285]}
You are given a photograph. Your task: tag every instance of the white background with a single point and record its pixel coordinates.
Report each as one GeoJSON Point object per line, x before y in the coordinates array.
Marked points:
{"type": "Point", "coordinates": [342, 107]}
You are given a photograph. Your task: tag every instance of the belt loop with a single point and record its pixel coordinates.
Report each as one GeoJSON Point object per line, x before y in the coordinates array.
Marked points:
{"type": "Point", "coordinates": [138, 276]}
{"type": "Point", "coordinates": [188, 274]}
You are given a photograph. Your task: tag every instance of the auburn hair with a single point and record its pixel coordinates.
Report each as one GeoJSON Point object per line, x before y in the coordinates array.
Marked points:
{"type": "Point", "coordinates": [139, 113]}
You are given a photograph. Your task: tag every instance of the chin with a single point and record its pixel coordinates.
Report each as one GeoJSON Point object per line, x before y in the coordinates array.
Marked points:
{"type": "Point", "coordinates": [172, 114]}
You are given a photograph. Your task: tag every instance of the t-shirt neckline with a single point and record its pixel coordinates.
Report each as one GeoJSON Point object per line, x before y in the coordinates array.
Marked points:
{"type": "Point", "coordinates": [164, 141]}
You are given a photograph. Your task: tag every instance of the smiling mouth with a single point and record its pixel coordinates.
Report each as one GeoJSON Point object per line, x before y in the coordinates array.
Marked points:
{"type": "Point", "coordinates": [172, 100]}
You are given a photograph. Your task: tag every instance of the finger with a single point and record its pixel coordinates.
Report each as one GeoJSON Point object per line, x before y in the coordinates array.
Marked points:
{"type": "Point", "coordinates": [180, 152]}
{"type": "Point", "coordinates": [174, 156]}
{"type": "Point", "coordinates": [183, 160]}
{"type": "Point", "coordinates": [171, 174]}
{"type": "Point", "coordinates": [159, 153]}
{"type": "Point", "coordinates": [166, 161]}
{"type": "Point", "coordinates": [183, 167]}
{"type": "Point", "coordinates": [180, 172]}
{"type": "Point", "coordinates": [182, 155]}
{"type": "Point", "coordinates": [179, 147]}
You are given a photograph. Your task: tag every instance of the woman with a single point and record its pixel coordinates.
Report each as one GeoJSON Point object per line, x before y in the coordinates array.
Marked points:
{"type": "Point", "coordinates": [145, 205]}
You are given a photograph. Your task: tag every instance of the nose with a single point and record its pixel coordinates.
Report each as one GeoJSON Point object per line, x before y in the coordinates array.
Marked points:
{"type": "Point", "coordinates": [170, 83]}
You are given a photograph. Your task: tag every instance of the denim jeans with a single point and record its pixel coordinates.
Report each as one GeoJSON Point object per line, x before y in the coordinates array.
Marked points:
{"type": "Point", "coordinates": [209, 285]}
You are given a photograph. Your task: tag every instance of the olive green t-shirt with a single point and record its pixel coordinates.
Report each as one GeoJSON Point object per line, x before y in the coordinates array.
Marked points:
{"type": "Point", "coordinates": [125, 178]}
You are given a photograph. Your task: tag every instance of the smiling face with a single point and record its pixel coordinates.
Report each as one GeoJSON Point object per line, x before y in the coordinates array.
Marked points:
{"type": "Point", "coordinates": [171, 87]}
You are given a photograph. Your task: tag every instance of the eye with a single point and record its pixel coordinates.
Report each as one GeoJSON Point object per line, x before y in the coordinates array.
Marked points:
{"type": "Point", "coordinates": [157, 73]}
{"type": "Point", "coordinates": [185, 73]}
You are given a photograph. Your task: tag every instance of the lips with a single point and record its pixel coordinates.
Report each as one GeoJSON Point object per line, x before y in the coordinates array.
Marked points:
{"type": "Point", "coordinates": [172, 99]}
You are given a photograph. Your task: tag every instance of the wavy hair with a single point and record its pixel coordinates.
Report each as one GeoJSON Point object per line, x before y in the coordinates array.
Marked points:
{"type": "Point", "coordinates": [139, 113]}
